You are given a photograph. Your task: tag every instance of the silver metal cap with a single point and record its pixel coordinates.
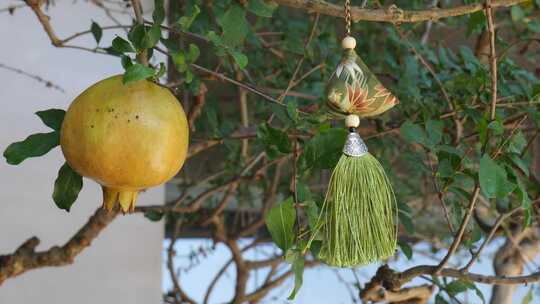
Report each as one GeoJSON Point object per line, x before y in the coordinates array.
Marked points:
{"type": "Point", "coordinates": [354, 145]}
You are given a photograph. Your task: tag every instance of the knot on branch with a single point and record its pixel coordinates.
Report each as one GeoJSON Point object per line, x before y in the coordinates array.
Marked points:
{"type": "Point", "coordinates": [386, 286]}
{"type": "Point", "coordinates": [29, 246]}
{"type": "Point", "coordinates": [396, 12]}
{"type": "Point", "coordinates": [385, 277]}
{"type": "Point", "coordinates": [56, 42]}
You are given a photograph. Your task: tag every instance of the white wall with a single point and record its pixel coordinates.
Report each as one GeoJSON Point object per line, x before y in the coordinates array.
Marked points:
{"type": "Point", "coordinates": [123, 265]}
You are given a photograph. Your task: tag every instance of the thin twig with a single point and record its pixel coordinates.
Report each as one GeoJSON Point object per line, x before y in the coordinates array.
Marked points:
{"type": "Point", "coordinates": [184, 298]}
{"type": "Point", "coordinates": [492, 232]}
{"type": "Point", "coordinates": [492, 58]}
{"type": "Point", "coordinates": [244, 115]}
{"type": "Point", "coordinates": [47, 83]}
{"type": "Point", "coordinates": [459, 236]}
{"type": "Point", "coordinates": [137, 9]}
{"type": "Point", "coordinates": [301, 61]}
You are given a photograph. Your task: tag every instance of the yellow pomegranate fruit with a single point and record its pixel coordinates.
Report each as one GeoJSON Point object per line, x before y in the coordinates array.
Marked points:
{"type": "Point", "coordinates": [125, 137]}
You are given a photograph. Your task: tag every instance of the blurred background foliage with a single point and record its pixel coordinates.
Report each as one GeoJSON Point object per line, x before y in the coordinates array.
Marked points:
{"type": "Point", "coordinates": [269, 139]}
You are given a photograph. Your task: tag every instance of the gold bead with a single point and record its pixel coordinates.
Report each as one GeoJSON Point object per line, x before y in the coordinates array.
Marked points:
{"type": "Point", "coordinates": [352, 121]}
{"type": "Point", "coordinates": [348, 43]}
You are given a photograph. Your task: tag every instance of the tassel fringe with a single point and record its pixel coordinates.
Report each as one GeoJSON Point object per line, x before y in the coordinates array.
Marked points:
{"type": "Point", "coordinates": [359, 211]}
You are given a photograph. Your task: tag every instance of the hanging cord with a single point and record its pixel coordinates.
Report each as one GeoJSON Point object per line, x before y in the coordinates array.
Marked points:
{"type": "Point", "coordinates": [348, 16]}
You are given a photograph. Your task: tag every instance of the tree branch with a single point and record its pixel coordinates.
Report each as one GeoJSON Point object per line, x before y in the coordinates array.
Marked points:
{"type": "Point", "coordinates": [391, 14]}
{"type": "Point", "coordinates": [417, 294]}
{"type": "Point", "coordinates": [393, 280]}
{"type": "Point", "coordinates": [25, 258]}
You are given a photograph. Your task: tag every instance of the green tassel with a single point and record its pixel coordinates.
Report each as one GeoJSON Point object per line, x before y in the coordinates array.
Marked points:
{"type": "Point", "coordinates": [359, 212]}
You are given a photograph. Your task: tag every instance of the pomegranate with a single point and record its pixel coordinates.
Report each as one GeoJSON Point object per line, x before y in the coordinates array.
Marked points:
{"type": "Point", "coordinates": [125, 137]}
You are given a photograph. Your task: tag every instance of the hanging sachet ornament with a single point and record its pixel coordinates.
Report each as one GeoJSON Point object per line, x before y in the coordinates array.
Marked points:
{"type": "Point", "coordinates": [354, 89]}
{"type": "Point", "coordinates": [358, 219]}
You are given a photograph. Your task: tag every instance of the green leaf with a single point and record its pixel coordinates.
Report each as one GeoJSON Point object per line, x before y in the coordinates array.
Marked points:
{"type": "Point", "coordinates": [137, 72]}
{"type": "Point", "coordinates": [136, 36]}
{"type": "Point", "coordinates": [456, 287]}
{"type": "Point", "coordinates": [122, 46]}
{"type": "Point", "coordinates": [324, 149]}
{"type": "Point", "coordinates": [97, 32]}
{"type": "Point", "coordinates": [274, 139]}
{"type": "Point", "coordinates": [445, 169]}
{"type": "Point", "coordinates": [159, 12]}
{"type": "Point", "coordinates": [406, 221]}
{"type": "Point", "coordinates": [240, 59]}
{"type": "Point", "coordinates": [298, 270]}
{"type": "Point", "coordinates": [154, 216]}
{"type": "Point", "coordinates": [234, 25]}
{"type": "Point", "coordinates": [406, 249]}
{"type": "Point", "coordinates": [482, 127]}
{"type": "Point", "coordinates": [179, 60]}
{"type": "Point", "coordinates": [517, 13]}
{"type": "Point", "coordinates": [34, 145]}
{"type": "Point", "coordinates": [520, 163]}
{"type": "Point", "coordinates": [496, 126]}
{"type": "Point", "coordinates": [126, 62]}
{"type": "Point", "coordinates": [451, 150]}
{"type": "Point", "coordinates": [189, 76]}
{"type": "Point", "coordinates": [52, 118]}
{"type": "Point", "coordinates": [171, 44]}
{"type": "Point", "coordinates": [315, 248]}
{"type": "Point", "coordinates": [523, 196]}
{"type": "Point", "coordinates": [67, 186]}
{"type": "Point", "coordinates": [439, 299]}
{"type": "Point", "coordinates": [216, 40]}
{"type": "Point", "coordinates": [262, 8]}
{"type": "Point", "coordinates": [527, 299]}
{"type": "Point", "coordinates": [459, 192]}
{"type": "Point", "coordinates": [434, 131]}
{"type": "Point", "coordinates": [303, 191]}
{"type": "Point", "coordinates": [475, 235]}
{"type": "Point", "coordinates": [413, 133]}
{"type": "Point", "coordinates": [151, 37]}
{"type": "Point", "coordinates": [280, 223]}
{"type": "Point", "coordinates": [186, 21]}
{"type": "Point", "coordinates": [292, 111]}
{"type": "Point", "coordinates": [111, 51]}
{"type": "Point", "coordinates": [312, 212]}
{"type": "Point", "coordinates": [193, 53]}
{"type": "Point", "coordinates": [493, 179]}
{"type": "Point", "coordinates": [162, 70]}
{"type": "Point", "coordinates": [470, 60]}
{"type": "Point", "coordinates": [477, 22]}
{"type": "Point", "coordinates": [518, 142]}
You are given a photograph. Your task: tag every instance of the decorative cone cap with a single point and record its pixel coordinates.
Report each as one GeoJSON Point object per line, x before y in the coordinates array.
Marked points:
{"type": "Point", "coordinates": [354, 89]}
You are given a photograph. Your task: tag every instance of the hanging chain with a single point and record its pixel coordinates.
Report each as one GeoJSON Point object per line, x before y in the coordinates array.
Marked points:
{"type": "Point", "coordinates": [348, 16]}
